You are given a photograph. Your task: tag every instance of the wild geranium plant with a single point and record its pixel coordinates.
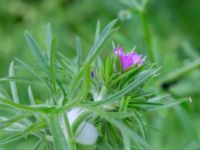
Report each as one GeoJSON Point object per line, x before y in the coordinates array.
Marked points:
{"type": "Point", "coordinates": [93, 102]}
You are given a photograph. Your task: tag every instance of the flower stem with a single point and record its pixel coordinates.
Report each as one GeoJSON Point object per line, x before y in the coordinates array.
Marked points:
{"type": "Point", "coordinates": [147, 36]}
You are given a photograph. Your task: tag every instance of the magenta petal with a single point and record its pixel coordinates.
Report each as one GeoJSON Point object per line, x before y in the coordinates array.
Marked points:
{"type": "Point", "coordinates": [132, 54]}
{"type": "Point", "coordinates": [137, 58]}
{"type": "Point", "coordinates": [119, 51]}
{"type": "Point", "coordinates": [140, 63]}
{"type": "Point", "coordinates": [115, 50]}
{"type": "Point", "coordinates": [128, 60]}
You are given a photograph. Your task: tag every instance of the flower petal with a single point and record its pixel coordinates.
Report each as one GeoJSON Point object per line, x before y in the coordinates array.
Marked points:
{"type": "Point", "coordinates": [128, 60]}
{"type": "Point", "coordinates": [140, 62]}
{"type": "Point", "coordinates": [118, 51]}
{"type": "Point", "coordinates": [74, 113]}
{"type": "Point", "coordinates": [88, 134]}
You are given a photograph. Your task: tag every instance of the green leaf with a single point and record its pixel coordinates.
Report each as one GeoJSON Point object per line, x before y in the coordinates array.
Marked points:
{"type": "Point", "coordinates": [11, 121]}
{"type": "Point", "coordinates": [66, 63]}
{"type": "Point", "coordinates": [48, 39]}
{"type": "Point", "coordinates": [102, 37]}
{"type": "Point", "coordinates": [130, 133]}
{"type": "Point", "coordinates": [12, 137]}
{"type": "Point", "coordinates": [97, 33]}
{"type": "Point", "coordinates": [22, 133]}
{"type": "Point", "coordinates": [167, 105]}
{"type": "Point", "coordinates": [157, 98]}
{"type": "Point", "coordinates": [128, 73]}
{"type": "Point", "coordinates": [30, 96]}
{"type": "Point", "coordinates": [6, 108]}
{"type": "Point", "coordinates": [36, 50]}
{"type": "Point", "coordinates": [37, 108]}
{"type": "Point", "coordinates": [20, 79]}
{"type": "Point", "coordinates": [140, 79]}
{"type": "Point", "coordinates": [93, 53]}
{"type": "Point", "coordinates": [36, 126]}
{"type": "Point", "coordinates": [38, 145]}
{"type": "Point", "coordinates": [140, 123]}
{"type": "Point", "coordinates": [63, 91]}
{"type": "Point", "coordinates": [51, 55]}
{"type": "Point", "coordinates": [85, 86]}
{"type": "Point", "coordinates": [68, 106]}
{"type": "Point", "coordinates": [32, 70]}
{"type": "Point", "coordinates": [78, 51]}
{"type": "Point", "coordinates": [4, 92]}
{"type": "Point", "coordinates": [107, 70]}
{"type": "Point", "coordinates": [190, 50]}
{"type": "Point", "coordinates": [107, 114]}
{"type": "Point", "coordinates": [126, 140]}
{"type": "Point", "coordinates": [13, 84]}
{"type": "Point", "coordinates": [181, 72]}
{"type": "Point", "coordinates": [53, 73]}
{"type": "Point", "coordinates": [185, 119]}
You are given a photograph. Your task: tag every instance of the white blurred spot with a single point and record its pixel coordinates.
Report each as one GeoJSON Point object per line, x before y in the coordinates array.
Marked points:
{"type": "Point", "coordinates": [86, 133]}
{"type": "Point", "coordinates": [190, 99]}
{"type": "Point", "coordinates": [124, 15]}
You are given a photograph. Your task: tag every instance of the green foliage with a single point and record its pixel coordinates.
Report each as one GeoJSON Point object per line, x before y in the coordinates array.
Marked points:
{"type": "Point", "coordinates": [121, 104]}
{"type": "Point", "coordinates": [113, 98]}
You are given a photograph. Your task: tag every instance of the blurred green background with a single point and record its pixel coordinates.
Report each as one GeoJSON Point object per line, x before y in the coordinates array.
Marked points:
{"type": "Point", "coordinates": [175, 32]}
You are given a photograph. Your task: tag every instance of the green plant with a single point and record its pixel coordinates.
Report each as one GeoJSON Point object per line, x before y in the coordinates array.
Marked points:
{"type": "Point", "coordinates": [111, 102]}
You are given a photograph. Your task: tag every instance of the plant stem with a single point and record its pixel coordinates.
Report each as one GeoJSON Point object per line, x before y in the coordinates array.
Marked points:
{"type": "Point", "coordinates": [71, 141]}
{"type": "Point", "coordinates": [60, 141]}
{"type": "Point", "coordinates": [147, 36]}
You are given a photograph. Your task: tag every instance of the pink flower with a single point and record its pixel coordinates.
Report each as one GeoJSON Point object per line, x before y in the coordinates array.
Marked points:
{"type": "Point", "coordinates": [128, 60]}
